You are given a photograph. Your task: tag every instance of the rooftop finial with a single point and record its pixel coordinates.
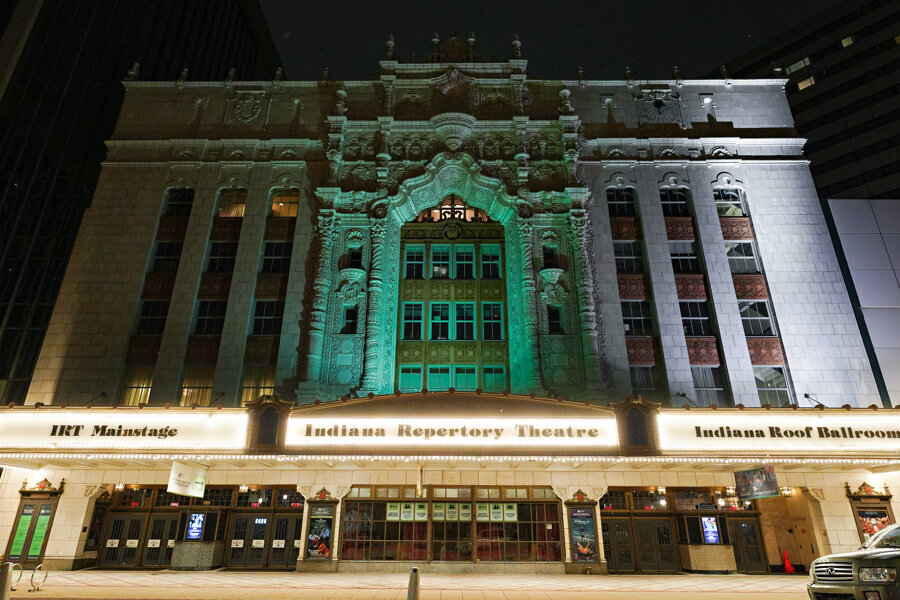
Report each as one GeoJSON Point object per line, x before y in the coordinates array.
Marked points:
{"type": "Point", "coordinates": [279, 74]}
{"type": "Point", "coordinates": [471, 42]}
{"type": "Point", "coordinates": [325, 74]}
{"type": "Point", "coordinates": [232, 73]}
{"type": "Point", "coordinates": [389, 44]}
{"type": "Point", "coordinates": [628, 78]}
{"type": "Point", "coordinates": [133, 73]}
{"type": "Point", "coordinates": [517, 47]}
{"type": "Point", "coordinates": [183, 76]}
{"type": "Point", "coordinates": [580, 73]}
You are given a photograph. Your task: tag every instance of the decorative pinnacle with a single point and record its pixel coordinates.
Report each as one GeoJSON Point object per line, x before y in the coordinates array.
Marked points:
{"type": "Point", "coordinates": [580, 74]}
{"type": "Point", "coordinates": [435, 39]}
{"type": "Point", "coordinates": [232, 73]}
{"type": "Point", "coordinates": [390, 46]}
{"type": "Point", "coordinates": [676, 72]}
{"type": "Point", "coordinates": [471, 39]}
{"type": "Point", "coordinates": [517, 47]}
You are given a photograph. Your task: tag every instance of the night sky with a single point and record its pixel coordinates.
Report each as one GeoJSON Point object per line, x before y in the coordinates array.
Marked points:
{"type": "Point", "coordinates": [650, 36]}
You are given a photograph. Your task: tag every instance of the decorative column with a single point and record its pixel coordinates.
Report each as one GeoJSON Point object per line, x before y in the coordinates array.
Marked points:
{"type": "Point", "coordinates": [326, 224]}
{"type": "Point", "coordinates": [531, 354]}
{"type": "Point", "coordinates": [373, 345]}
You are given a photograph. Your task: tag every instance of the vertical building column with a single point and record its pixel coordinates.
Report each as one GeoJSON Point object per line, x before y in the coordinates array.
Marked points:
{"type": "Point", "coordinates": [531, 359]}
{"type": "Point", "coordinates": [662, 282]}
{"type": "Point", "coordinates": [595, 365]}
{"type": "Point", "coordinates": [374, 343]}
{"type": "Point", "coordinates": [326, 228]}
{"type": "Point", "coordinates": [735, 355]}
{"type": "Point", "coordinates": [230, 365]}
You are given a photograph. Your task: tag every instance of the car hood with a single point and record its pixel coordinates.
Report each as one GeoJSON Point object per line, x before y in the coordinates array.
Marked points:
{"type": "Point", "coordinates": [865, 554]}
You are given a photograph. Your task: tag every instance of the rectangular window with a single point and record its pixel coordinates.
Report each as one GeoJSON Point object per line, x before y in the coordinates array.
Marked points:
{"type": "Point", "coordinates": [415, 262]}
{"type": "Point", "coordinates": [152, 319]}
{"type": "Point", "coordinates": [465, 378]}
{"type": "Point", "coordinates": [494, 378]}
{"type": "Point", "coordinates": [709, 385]}
{"type": "Point", "coordinates": [490, 262]}
{"type": "Point", "coordinates": [550, 259]}
{"type": "Point", "coordinates": [412, 320]}
{"type": "Point", "coordinates": [772, 386]}
{"type": "Point", "coordinates": [465, 261]}
{"type": "Point", "coordinates": [684, 257]}
{"type": "Point", "coordinates": [756, 317]}
{"type": "Point", "coordinates": [410, 378]}
{"type": "Point", "coordinates": [674, 202]}
{"type": "Point", "coordinates": [847, 41]}
{"type": "Point", "coordinates": [554, 319]}
{"type": "Point", "coordinates": [221, 257]}
{"type": "Point", "coordinates": [695, 317]}
{"type": "Point", "coordinates": [805, 83]}
{"type": "Point", "coordinates": [492, 321]}
{"type": "Point", "coordinates": [730, 202]}
{"type": "Point", "coordinates": [742, 257]}
{"type": "Point", "coordinates": [267, 317]}
{"type": "Point", "coordinates": [629, 257]}
{"type": "Point", "coordinates": [166, 257]}
{"type": "Point", "coordinates": [438, 378]}
{"type": "Point", "coordinates": [136, 384]}
{"type": "Point", "coordinates": [277, 257]}
{"type": "Point", "coordinates": [465, 321]}
{"type": "Point", "coordinates": [351, 319]}
{"type": "Point", "coordinates": [794, 67]}
{"type": "Point", "coordinates": [637, 317]}
{"type": "Point", "coordinates": [620, 202]}
{"type": "Point", "coordinates": [440, 321]}
{"type": "Point", "coordinates": [259, 380]}
{"type": "Point", "coordinates": [641, 380]}
{"type": "Point", "coordinates": [197, 385]}
{"type": "Point", "coordinates": [210, 317]}
{"type": "Point", "coordinates": [232, 203]}
{"type": "Point", "coordinates": [179, 202]}
{"type": "Point", "coordinates": [354, 257]}
{"type": "Point", "coordinates": [285, 203]}
{"type": "Point", "coordinates": [440, 262]}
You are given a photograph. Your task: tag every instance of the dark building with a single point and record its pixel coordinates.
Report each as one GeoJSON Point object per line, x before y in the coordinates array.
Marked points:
{"type": "Point", "coordinates": [61, 67]}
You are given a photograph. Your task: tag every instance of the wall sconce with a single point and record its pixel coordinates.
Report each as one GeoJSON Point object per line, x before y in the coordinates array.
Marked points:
{"type": "Point", "coordinates": [720, 501]}
{"type": "Point", "coordinates": [787, 491]}
{"type": "Point", "coordinates": [119, 487]}
{"type": "Point", "coordinates": [730, 490]}
{"type": "Point", "coordinates": [243, 488]}
{"type": "Point", "coordinates": [661, 489]}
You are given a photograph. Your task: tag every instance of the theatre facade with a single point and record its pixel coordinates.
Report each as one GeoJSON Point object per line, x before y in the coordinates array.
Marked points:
{"type": "Point", "coordinates": [454, 317]}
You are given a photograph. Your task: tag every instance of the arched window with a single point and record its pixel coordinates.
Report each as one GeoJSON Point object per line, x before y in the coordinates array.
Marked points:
{"type": "Point", "coordinates": [675, 201]}
{"type": "Point", "coordinates": [620, 201]}
{"type": "Point", "coordinates": [285, 203]}
{"type": "Point", "coordinates": [232, 203]}
{"type": "Point", "coordinates": [452, 207]}
{"type": "Point", "coordinates": [730, 202]}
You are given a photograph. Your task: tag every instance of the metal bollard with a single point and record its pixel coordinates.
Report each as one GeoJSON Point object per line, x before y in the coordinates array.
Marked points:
{"type": "Point", "coordinates": [413, 589]}
{"type": "Point", "coordinates": [5, 580]}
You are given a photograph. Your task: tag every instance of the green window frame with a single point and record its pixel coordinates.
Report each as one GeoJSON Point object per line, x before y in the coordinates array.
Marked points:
{"type": "Point", "coordinates": [439, 322]}
{"type": "Point", "coordinates": [464, 321]}
{"type": "Point", "coordinates": [439, 378]}
{"type": "Point", "coordinates": [440, 261]}
{"type": "Point", "coordinates": [410, 378]}
{"type": "Point", "coordinates": [464, 261]}
{"type": "Point", "coordinates": [493, 378]}
{"type": "Point", "coordinates": [490, 262]}
{"type": "Point", "coordinates": [492, 321]}
{"type": "Point", "coordinates": [414, 262]}
{"type": "Point", "coordinates": [465, 378]}
{"type": "Point", "coordinates": [412, 321]}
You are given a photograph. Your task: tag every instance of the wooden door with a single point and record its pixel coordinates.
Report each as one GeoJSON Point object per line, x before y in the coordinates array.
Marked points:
{"type": "Point", "coordinates": [160, 540]}
{"type": "Point", "coordinates": [123, 540]}
{"type": "Point", "coordinates": [284, 548]}
{"type": "Point", "coordinates": [655, 545]}
{"type": "Point", "coordinates": [249, 541]}
{"type": "Point", "coordinates": [618, 544]}
{"type": "Point", "coordinates": [747, 542]}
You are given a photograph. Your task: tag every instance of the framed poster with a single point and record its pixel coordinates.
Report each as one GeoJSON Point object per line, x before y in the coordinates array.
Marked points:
{"type": "Point", "coordinates": [438, 510]}
{"type": "Point", "coordinates": [871, 519]}
{"type": "Point", "coordinates": [753, 484]}
{"type": "Point", "coordinates": [318, 541]}
{"type": "Point", "coordinates": [583, 529]}
{"type": "Point", "coordinates": [465, 511]}
{"type": "Point", "coordinates": [421, 511]}
{"type": "Point", "coordinates": [482, 511]}
{"type": "Point", "coordinates": [393, 511]}
{"type": "Point", "coordinates": [406, 511]}
{"type": "Point", "coordinates": [496, 512]}
{"type": "Point", "coordinates": [510, 513]}
{"type": "Point", "coordinates": [195, 527]}
{"type": "Point", "coordinates": [452, 511]}
{"type": "Point", "coordinates": [710, 528]}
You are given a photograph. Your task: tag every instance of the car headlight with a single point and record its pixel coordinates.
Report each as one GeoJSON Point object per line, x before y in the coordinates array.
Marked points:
{"type": "Point", "coordinates": [877, 574]}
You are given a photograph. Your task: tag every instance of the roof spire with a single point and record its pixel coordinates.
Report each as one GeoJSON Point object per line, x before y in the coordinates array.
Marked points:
{"type": "Point", "coordinates": [517, 47]}
{"type": "Point", "coordinates": [390, 46]}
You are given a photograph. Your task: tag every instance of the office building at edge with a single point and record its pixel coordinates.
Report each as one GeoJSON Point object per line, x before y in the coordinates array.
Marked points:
{"type": "Point", "coordinates": [451, 317]}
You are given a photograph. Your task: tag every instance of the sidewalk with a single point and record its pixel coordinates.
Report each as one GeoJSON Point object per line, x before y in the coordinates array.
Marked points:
{"type": "Point", "coordinates": [136, 585]}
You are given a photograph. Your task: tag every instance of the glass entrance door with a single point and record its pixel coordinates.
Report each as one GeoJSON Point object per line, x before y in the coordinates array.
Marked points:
{"type": "Point", "coordinates": [618, 545]}
{"type": "Point", "coordinates": [160, 540]}
{"type": "Point", "coordinates": [746, 540]}
{"type": "Point", "coordinates": [248, 541]}
{"type": "Point", "coordinates": [123, 541]}
{"type": "Point", "coordinates": [284, 548]}
{"type": "Point", "coordinates": [655, 545]}
{"type": "Point", "coordinates": [32, 528]}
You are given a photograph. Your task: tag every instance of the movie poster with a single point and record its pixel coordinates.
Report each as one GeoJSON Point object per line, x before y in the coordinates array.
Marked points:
{"type": "Point", "coordinates": [756, 483]}
{"type": "Point", "coordinates": [872, 520]}
{"type": "Point", "coordinates": [318, 543]}
{"type": "Point", "coordinates": [584, 533]}
{"type": "Point", "coordinates": [710, 528]}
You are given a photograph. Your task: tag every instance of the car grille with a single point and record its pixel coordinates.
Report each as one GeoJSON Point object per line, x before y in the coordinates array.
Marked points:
{"type": "Point", "coordinates": [820, 596]}
{"type": "Point", "coordinates": [834, 571]}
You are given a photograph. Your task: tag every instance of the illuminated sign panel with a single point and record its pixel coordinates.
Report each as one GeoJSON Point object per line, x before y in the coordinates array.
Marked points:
{"type": "Point", "coordinates": [123, 429]}
{"type": "Point", "coordinates": [468, 433]}
{"type": "Point", "coordinates": [811, 431]}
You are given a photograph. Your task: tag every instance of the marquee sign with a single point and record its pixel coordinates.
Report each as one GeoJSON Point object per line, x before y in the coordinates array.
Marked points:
{"type": "Point", "coordinates": [107, 429]}
{"type": "Point", "coordinates": [811, 431]}
{"type": "Point", "coordinates": [574, 434]}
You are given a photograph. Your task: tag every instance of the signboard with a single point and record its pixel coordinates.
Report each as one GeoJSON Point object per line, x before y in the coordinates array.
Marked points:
{"type": "Point", "coordinates": [153, 543]}
{"type": "Point", "coordinates": [872, 520]}
{"type": "Point", "coordinates": [318, 544]}
{"type": "Point", "coordinates": [465, 511]}
{"type": "Point", "coordinates": [592, 433]}
{"type": "Point", "coordinates": [482, 511]}
{"type": "Point", "coordinates": [406, 511]}
{"type": "Point", "coordinates": [421, 511]}
{"type": "Point", "coordinates": [22, 531]}
{"type": "Point", "coordinates": [123, 429]}
{"type": "Point", "coordinates": [756, 483]}
{"type": "Point", "coordinates": [710, 529]}
{"type": "Point", "coordinates": [393, 511]}
{"type": "Point", "coordinates": [829, 432]}
{"type": "Point", "coordinates": [510, 513]}
{"type": "Point", "coordinates": [452, 511]}
{"type": "Point", "coordinates": [186, 480]}
{"type": "Point", "coordinates": [278, 544]}
{"type": "Point", "coordinates": [438, 511]}
{"type": "Point", "coordinates": [496, 512]}
{"type": "Point", "coordinates": [583, 529]}
{"type": "Point", "coordinates": [195, 527]}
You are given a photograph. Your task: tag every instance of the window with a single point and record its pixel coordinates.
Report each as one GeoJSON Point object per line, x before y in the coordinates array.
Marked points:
{"type": "Point", "coordinates": [730, 202]}
{"type": "Point", "coordinates": [709, 385]}
{"type": "Point", "coordinates": [440, 321]}
{"type": "Point", "coordinates": [695, 318]}
{"type": "Point", "coordinates": [550, 257]}
{"type": "Point", "coordinates": [210, 317]}
{"type": "Point", "coordinates": [136, 384]}
{"type": "Point", "coordinates": [259, 380]}
{"type": "Point", "coordinates": [410, 378]}
{"type": "Point", "coordinates": [492, 321]}
{"type": "Point", "coordinates": [412, 320]}
{"type": "Point", "coordinates": [196, 387]}
{"type": "Point", "coordinates": [438, 378]}
{"type": "Point", "coordinates": [277, 257]}
{"type": "Point", "coordinates": [465, 321]}
{"type": "Point", "coordinates": [494, 378]}
{"type": "Point", "coordinates": [440, 262]}
{"type": "Point", "coordinates": [805, 83]}
{"type": "Point", "coordinates": [742, 257]}
{"type": "Point", "coordinates": [465, 262]}
{"type": "Point", "coordinates": [620, 202]}
{"type": "Point", "coordinates": [152, 319]}
{"type": "Point", "coordinates": [221, 257]}
{"type": "Point", "coordinates": [369, 534]}
{"type": "Point", "coordinates": [684, 257]}
{"type": "Point", "coordinates": [490, 262]}
{"type": "Point", "coordinates": [267, 317]}
{"type": "Point", "coordinates": [847, 41]}
{"type": "Point", "coordinates": [465, 378]}
{"type": "Point", "coordinates": [554, 319]}
{"type": "Point", "coordinates": [232, 203]}
{"type": "Point", "coordinates": [166, 257]}
{"type": "Point", "coordinates": [285, 203]}
{"type": "Point", "coordinates": [179, 202]}
{"type": "Point", "coordinates": [772, 386]}
{"type": "Point", "coordinates": [351, 319]}
{"type": "Point", "coordinates": [641, 381]}
{"type": "Point", "coordinates": [354, 257]}
{"type": "Point", "coordinates": [674, 202]}
{"type": "Point", "coordinates": [794, 67]}
{"type": "Point", "coordinates": [415, 262]}
{"type": "Point", "coordinates": [629, 257]}
{"type": "Point", "coordinates": [756, 317]}
{"type": "Point", "coordinates": [637, 317]}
